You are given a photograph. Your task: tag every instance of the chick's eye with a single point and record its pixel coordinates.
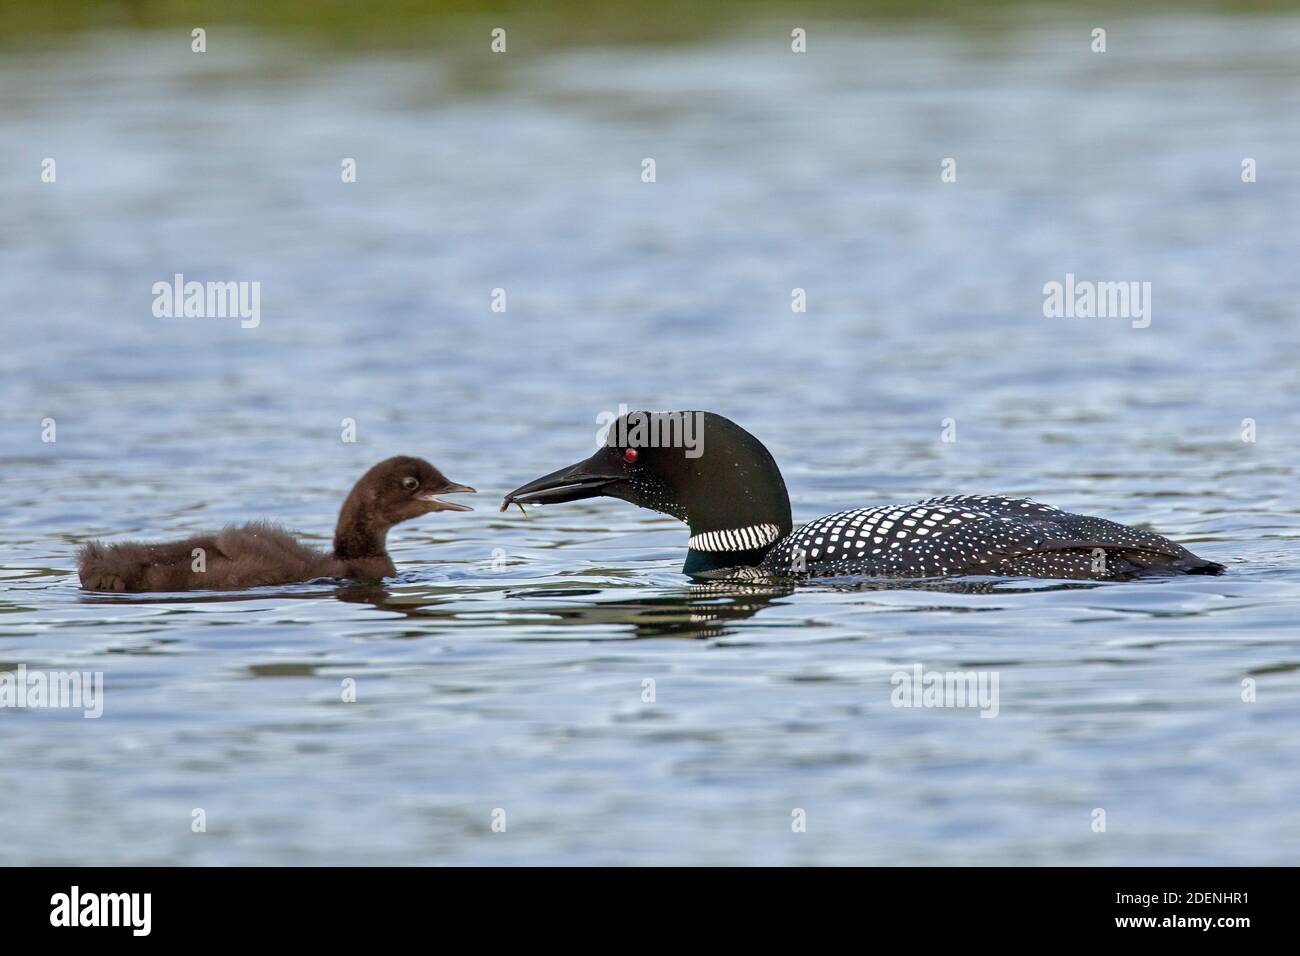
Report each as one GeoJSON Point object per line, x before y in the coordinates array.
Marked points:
{"type": "Point", "coordinates": [409, 483]}
{"type": "Point", "coordinates": [630, 455]}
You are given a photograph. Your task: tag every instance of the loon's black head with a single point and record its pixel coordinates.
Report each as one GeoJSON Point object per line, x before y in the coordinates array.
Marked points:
{"type": "Point", "coordinates": [696, 466]}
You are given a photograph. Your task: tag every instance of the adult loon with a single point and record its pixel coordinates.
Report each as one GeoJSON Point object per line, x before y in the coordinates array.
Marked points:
{"type": "Point", "coordinates": [727, 488]}
{"type": "Point", "coordinates": [251, 555]}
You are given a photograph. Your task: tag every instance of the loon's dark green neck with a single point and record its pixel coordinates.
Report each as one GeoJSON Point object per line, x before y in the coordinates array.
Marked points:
{"type": "Point", "coordinates": [739, 531]}
{"type": "Point", "coordinates": [699, 563]}
{"type": "Point", "coordinates": [735, 502]}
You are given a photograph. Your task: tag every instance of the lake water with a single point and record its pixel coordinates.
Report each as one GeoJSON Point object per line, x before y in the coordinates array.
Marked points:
{"type": "Point", "coordinates": [504, 669]}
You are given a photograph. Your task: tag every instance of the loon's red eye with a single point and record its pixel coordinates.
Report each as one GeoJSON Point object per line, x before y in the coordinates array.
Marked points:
{"type": "Point", "coordinates": [629, 455]}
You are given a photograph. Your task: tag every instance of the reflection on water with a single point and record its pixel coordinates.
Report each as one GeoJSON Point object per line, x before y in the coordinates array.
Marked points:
{"type": "Point", "coordinates": [510, 665]}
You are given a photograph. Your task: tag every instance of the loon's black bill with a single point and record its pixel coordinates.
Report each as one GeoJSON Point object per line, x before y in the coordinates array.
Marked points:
{"type": "Point", "coordinates": [574, 483]}
{"type": "Point", "coordinates": [451, 488]}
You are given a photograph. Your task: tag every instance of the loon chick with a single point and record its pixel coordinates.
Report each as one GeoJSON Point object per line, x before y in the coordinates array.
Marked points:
{"type": "Point", "coordinates": [729, 491]}
{"type": "Point", "coordinates": [261, 553]}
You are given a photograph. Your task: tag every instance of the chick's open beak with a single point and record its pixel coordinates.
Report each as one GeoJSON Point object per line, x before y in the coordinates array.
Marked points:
{"type": "Point", "coordinates": [450, 488]}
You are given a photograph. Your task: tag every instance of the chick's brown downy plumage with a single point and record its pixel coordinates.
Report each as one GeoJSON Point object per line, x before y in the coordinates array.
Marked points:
{"type": "Point", "coordinates": [262, 553]}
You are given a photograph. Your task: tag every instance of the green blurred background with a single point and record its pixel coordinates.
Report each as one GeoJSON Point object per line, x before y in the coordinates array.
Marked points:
{"type": "Point", "coordinates": [554, 23]}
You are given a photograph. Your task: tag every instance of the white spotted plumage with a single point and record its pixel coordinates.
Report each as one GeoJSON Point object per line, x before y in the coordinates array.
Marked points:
{"type": "Point", "coordinates": [963, 534]}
